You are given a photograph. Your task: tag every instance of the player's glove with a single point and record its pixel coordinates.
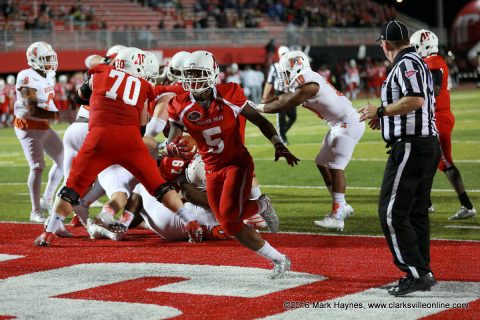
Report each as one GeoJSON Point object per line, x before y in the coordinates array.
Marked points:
{"type": "Point", "coordinates": [195, 231]}
{"type": "Point", "coordinates": [282, 152]}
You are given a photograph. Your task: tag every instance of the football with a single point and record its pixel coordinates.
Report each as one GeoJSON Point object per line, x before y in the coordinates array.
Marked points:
{"type": "Point", "coordinates": [184, 147]}
{"type": "Point", "coordinates": [195, 173]}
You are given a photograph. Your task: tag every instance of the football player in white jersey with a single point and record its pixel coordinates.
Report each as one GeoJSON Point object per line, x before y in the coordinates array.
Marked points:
{"type": "Point", "coordinates": [34, 106]}
{"type": "Point", "coordinates": [159, 218]}
{"type": "Point", "coordinates": [312, 91]}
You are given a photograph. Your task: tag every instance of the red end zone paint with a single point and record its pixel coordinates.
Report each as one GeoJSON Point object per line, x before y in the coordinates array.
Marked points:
{"type": "Point", "coordinates": [351, 264]}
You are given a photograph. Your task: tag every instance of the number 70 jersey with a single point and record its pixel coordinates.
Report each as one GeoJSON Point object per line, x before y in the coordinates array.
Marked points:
{"type": "Point", "coordinates": [216, 128]}
{"type": "Point", "coordinates": [117, 97]}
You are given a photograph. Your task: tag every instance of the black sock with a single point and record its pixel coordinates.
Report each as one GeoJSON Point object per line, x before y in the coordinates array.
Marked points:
{"type": "Point", "coordinates": [465, 200]}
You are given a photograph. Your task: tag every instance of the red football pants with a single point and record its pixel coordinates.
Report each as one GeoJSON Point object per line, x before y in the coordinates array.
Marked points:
{"type": "Point", "coordinates": [228, 189]}
{"type": "Point", "coordinates": [113, 144]}
{"type": "Point", "coordinates": [445, 122]}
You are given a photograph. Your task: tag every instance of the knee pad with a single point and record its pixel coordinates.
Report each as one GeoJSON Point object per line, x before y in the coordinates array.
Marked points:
{"type": "Point", "coordinates": [69, 195]}
{"type": "Point", "coordinates": [162, 190]}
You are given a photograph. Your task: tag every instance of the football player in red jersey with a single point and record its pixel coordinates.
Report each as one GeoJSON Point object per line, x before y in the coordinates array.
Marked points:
{"type": "Point", "coordinates": [119, 98]}
{"type": "Point", "coordinates": [426, 44]}
{"type": "Point", "coordinates": [210, 113]}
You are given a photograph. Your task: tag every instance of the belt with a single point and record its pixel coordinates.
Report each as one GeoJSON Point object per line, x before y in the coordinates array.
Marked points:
{"type": "Point", "coordinates": [391, 143]}
{"type": "Point", "coordinates": [81, 119]}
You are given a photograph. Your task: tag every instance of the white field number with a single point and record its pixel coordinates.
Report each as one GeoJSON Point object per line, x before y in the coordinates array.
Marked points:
{"type": "Point", "coordinates": [128, 97]}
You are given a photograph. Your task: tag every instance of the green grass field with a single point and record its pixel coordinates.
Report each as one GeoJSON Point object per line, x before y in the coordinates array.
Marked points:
{"type": "Point", "coordinates": [298, 193]}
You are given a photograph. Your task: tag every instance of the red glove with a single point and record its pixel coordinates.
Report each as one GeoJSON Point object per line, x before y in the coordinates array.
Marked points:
{"type": "Point", "coordinates": [282, 152]}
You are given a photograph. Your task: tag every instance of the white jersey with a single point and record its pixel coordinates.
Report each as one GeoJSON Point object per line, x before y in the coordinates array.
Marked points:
{"type": "Point", "coordinates": [166, 223]}
{"type": "Point", "coordinates": [327, 103]}
{"type": "Point", "coordinates": [45, 88]}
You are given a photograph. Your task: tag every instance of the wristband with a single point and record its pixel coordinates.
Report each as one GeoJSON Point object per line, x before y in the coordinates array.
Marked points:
{"type": "Point", "coordinates": [275, 140]}
{"type": "Point", "coordinates": [381, 111]}
{"type": "Point", "coordinates": [260, 107]}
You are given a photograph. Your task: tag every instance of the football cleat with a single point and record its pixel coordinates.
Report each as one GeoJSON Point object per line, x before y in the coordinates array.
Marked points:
{"type": "Point", "coordinates": [44, 239]}
{"type": "Point", "coordinates": [37, 216]}
{"type": "Point", "coordinates": [348, 211]}
{"type": "Point", "coordinates": [96, 231]}
{"type": "Point", "coordinates": [195, 231]}
{"type": "Point", "coordinates": [280, 267]}
{"type": "Point", "coordinates": [269, 215]}
{"type": "Point", "coordinates": [117, 227]}
{"type": "Point", "coordinates": [330, 222]}
{"type": "Point", "coordinates": [81, 213]}
{"type": "Point", "coordinates": [256, 222]}
{"type": "Point", "coordinates": [463, 213]}
{"type": "Point", "coordinates": [431, 209]}
{"type": "Point", "coordinates": [61, 232]}
{"type": "Point", "coordinates": [410, 284]}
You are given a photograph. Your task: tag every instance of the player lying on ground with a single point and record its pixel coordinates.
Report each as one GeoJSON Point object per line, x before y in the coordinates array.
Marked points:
{"type": "Point", "coordinates": [313, 92]}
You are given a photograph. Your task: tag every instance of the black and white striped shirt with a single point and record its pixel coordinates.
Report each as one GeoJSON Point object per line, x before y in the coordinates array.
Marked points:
{"type": "Point", "coordinates": [273, 77]}
{"type": "Point", "coordinates": [409, 76]}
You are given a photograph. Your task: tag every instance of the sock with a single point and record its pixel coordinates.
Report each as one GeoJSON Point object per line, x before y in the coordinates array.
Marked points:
{"type": "Point", "coordinates": [338, 202]}
{"type": "Point", "coordinates": [35, 186]}
{"type": "Point", "coordinates": [270, 253]}
{"type": "Point", "coordinates": [255, 193]}
{"type": "Point", "coordinates": [127, 218]}
{"type": "Point", "coordinates": [155, 126]}
{"type": "Point", "coordinates": [184, 215]}
{"type": "Point", "coordinates": [108, 210]}
{"type": "Point", "coordinates": [55, 175]}
{"type": "Point", "coordinates": [55, 223]}
{"type": "Point", "coordinates": [465, 201]}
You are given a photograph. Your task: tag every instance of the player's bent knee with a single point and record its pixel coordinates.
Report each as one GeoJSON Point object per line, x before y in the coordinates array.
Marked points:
{"type": "Point", "coordinates": [162, 190]}
{"type": "Point", "coordinates": [231, 229]}
{"type": "Point", "coordinates": [69, 195]}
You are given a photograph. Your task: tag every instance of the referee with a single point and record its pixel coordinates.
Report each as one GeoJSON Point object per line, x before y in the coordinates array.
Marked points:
{"type": "Point", "coordinates": [285, 119]}
{"type": "Point", "coordinates": [406, 118]}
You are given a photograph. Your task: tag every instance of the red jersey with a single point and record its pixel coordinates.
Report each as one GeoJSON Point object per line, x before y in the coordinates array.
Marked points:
{"type": "Point", "coordinates": [216, 129]}
{"type": "Point", "coordinates": [436, 62]}
{"type": "Point", "coordinates": [4, 102]}
{"type": "Point", "coordinates": [160, 90]}
{"type": "Point", "coordinates": [117, 97]}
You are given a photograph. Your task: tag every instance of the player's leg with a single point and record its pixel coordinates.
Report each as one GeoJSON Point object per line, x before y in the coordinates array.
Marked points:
{"type": "Point", "coordinates": [93, 157]}
{"type": "Point", "coordinates": [281, 126]}
{"type": "Point", "coordinates": [445, 125]}
{"type": "Point", "coordinates": [31, 141]}
{"type": "Point", "coordinates": [53, 147]}
{"type": "Point", "coordinates": [292, 117]}
{"type": "Point", "coordinates": [322, 159]}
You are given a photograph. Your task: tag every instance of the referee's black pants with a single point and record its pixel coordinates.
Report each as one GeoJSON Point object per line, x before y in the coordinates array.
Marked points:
{"type": "Point", "coordinates": [404, 200]}
{"type": "Point", "coordinates": [285, 120]}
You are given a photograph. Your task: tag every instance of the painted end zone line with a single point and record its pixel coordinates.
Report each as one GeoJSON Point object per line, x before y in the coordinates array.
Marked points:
{"type": "Point", "coordinates": [463, 227]}
{"type": "Point", "coordinates": [275, 186]}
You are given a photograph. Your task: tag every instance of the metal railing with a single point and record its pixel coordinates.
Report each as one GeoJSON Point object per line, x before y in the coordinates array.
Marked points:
{"type": "Point", "coordinates": [146, 39]}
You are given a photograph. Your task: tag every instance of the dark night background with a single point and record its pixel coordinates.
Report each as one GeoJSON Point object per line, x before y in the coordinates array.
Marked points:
{"type": "Point", "coordinates": [425, 10]}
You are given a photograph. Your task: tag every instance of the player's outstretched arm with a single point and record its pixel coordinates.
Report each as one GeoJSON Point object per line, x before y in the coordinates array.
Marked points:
{"type": "Point", "coordinates": [288, 101]}
{"type": "Point", "coordinates": [192, 194]}
{"type": "Point", "coordinates": [268, 130]}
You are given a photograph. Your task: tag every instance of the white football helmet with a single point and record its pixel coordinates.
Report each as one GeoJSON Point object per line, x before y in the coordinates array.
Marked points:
{"type": "Point", "coordinates": [200, 72]}
{"type": "Point", "coordinates": [174, 69]}
{"type": "Point", "coordinates": [11, 79]}
{"type": "Point", "coordinates": [290, 66]}
{"type": "Point", "coordinates": [152, 67]}
{"type": "Point", "coordinates": [41, 55]}
{"type": "Point", "coordinates": [195, 173]}
{"type": "Point", "coordinates": [132, 61]}
{"type": "Point", "coordinates": [113, 51]}
{"type": "Point", "coordinates": [425, 42]}
{"type": "Point", "coordinates": [282, 50]}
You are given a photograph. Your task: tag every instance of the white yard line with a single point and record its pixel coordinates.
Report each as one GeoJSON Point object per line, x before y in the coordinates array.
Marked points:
{"type": "Point", "coordinates": [463, 227]}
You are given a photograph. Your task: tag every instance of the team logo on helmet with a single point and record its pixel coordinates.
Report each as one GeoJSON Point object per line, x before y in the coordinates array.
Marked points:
{"type": "Point", "coordinates": [194, 116]}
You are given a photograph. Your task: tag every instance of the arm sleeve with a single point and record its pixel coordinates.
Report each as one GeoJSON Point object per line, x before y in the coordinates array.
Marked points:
{"type": "Point", "coordinates": [409, 76]}
{"type": "Point", "coordinates": [24, 81]}
{"type": "Point", "coordinates": [437, 76]}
